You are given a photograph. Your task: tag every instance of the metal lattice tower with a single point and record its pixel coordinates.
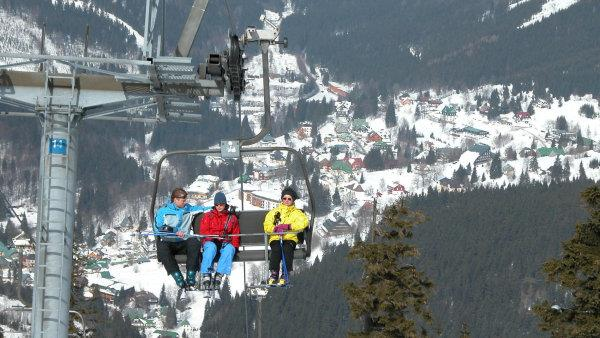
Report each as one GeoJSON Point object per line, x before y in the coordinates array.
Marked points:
{"type": "Point", "coordinates": [167, 88]}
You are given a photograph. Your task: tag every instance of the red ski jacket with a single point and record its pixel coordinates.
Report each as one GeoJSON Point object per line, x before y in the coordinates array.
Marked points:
{"type": "Point", "coordinates": [213, 223]}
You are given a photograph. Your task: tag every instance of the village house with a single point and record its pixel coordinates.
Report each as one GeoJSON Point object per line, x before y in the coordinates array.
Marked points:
{"type": "Point", "coordinates": [449, 111]}
{"type": "Point", "coordinates": [374, 137]}
{"type": "Point", "coordinates": [203, 187]}
{"type": "Point", "coordinates": [383, 146]}
{"type": "Point", "coordinates": [145, 299]}
{"type": "Point", "coordinates": [483, 150]}
{"type": "Point", "coordinates": [406, 101]}
{"type": "Point", "coordinates": [484, 108]}
{"type": "Point", "coordinates": [360, 125]}
{"type": "Point", "coordinates": [448, 184]}
{"type": "Point", "coordinates": [268, 140]}
{"type": "Point", "coordinates": [522, 116]}
{"type": "Point", "coordinates": [342, 165]}
{"type": "Point", "coordinates": [546, 151]}
{"type": "Point", "coordinates": [435, 102]}
{"type": "Point", "coordinates": [305, 128]}
{"type": "Point", "coordinates": [356, 163]}
{"type": "Point", "coordinates": [345, 137]}
{"type": "Point", "coordinates": [338, 226]}
{"type": "Point", "coordinates": [352, 191]}
{"type": "Point", "coordinates": [396, 189]}
{"type": "Point", "coordinates": [144, 323]}
{"type": "Point", "coordinates": [264, 199]}
{"type": "Point", "coordinates": [527, 152]}
{"type": "Point", "coordinates": [325, 164]}
{"type": "Point", "coordinates": [23, 244]}
{"type": "Point", "coordinates": [508, 170]}
{"type": "Point", "coordinates": [337, 91]}
{"type": "Point", "coordinates": [342, 125]}
{"type": "Point", "coordinates": [339, 148]}
{"type": "Point", "coordinates": [474, 131]}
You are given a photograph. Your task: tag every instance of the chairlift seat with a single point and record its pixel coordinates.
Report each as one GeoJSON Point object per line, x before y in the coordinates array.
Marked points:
{"type": "Point", "coordinates": [252, 248]}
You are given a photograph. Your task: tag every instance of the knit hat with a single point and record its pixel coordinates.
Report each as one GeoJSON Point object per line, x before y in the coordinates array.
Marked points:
{"type": "Point", "coordinates": [290, 192]}
{"type": "Point", "coordinates": [220, 198]}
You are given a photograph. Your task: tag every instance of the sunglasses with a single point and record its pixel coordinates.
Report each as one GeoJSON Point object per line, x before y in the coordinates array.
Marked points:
{"type": "Point", "coordinates": [286, 199]}
{"type": "Point", "coordinates": [219, 204]}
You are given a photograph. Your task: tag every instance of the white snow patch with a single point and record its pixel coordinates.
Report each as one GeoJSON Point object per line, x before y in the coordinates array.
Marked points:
{"type": "Point", "coordinates": [549, 8]}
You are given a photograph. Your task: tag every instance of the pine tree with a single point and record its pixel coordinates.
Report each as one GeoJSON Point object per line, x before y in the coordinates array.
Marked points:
{"type": "Point", "coordinates": [362, 178]}
{"type": "Point", "coordinates": [247, 131]}
{"type": "Point", "coordinates": [392, 293]}
{"type": "Point", "coordinates": [464, 331]}
{"type": "Point", "coordinates": [533, 164]}
{"type": "Point", "coordinates": [524, 178]}
{"type": "Point", "coordinates": [577, 271]}
{"type": "Point", "coordinates": [556, 170]}
{"type": "Point", "coordinates": [431, 157]}
{"type": "Point", "coordinates": [143, 225]}
{"type": "Point", "coordinates": [483, 177]}
{"type": "Point", "coordinates": [496, 167]}
{"type": "Point", "coordinates": [474, 177]}
{"type": "Point", "coordinates": [170, 317]}
{"type": "Point", "coordinates": [162, 298]}
{"type": "Point", "coordinates": [91, 237]}
{"type": "Point", "coordinates": [390, 116]}
{"type": "Point", "coordinates": [336, 197]}
{"type": "Point", "coordinates": [566, 173]}
{"type": "Point", "coordinates": [582, 175]}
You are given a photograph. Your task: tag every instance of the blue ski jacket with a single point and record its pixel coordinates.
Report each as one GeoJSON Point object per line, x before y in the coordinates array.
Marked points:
{"type": "Point", "coordinates": [180, 219]}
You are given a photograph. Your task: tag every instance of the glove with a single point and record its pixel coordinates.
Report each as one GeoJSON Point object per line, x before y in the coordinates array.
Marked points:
{"type": "Point", "coordinates": [166, 228]}
{"type": "Point", "coordinates": [281, 228]}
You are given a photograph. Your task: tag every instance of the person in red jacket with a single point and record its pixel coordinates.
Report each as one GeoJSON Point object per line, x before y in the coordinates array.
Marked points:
{"type": "Point", "coordinates": [219, 221]}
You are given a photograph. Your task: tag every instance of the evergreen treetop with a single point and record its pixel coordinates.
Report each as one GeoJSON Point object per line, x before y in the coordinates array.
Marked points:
{"type": "Point", "coordinates": [578, 270]}
{"type": "Point", "coordinates": [392, 292]}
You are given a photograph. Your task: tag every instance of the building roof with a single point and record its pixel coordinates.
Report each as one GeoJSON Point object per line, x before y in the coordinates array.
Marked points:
{"type": "Point", "coordinates": [165, 333]}
{"type": "Point", "coordinates": [480, 148]}
{"type": "Point", "coordinates": [473, 130]}
{"type": "Point", "coordinates": [6, 251]}
{"type": "Point", "coordinates": [545, 151]}
{"type": "Point", "coordinates": [342, 165]}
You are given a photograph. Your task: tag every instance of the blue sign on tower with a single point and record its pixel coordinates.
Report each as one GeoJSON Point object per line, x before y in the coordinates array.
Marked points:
{"type": "Point", "coordinates": [58, 146]}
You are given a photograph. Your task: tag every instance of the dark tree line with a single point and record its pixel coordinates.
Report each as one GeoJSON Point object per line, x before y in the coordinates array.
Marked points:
{"type": "Point", "coordinates": [482, 249]}
{"type": "Point", "coordinates": [452, 43]}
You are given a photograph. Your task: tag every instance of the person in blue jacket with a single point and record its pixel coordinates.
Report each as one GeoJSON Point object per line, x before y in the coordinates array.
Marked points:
{"type": "Point", "coordinates": [176, 218]}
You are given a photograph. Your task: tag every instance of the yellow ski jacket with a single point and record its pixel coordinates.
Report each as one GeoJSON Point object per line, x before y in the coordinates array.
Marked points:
{"type": "Point", "coordinates": [287, 215]}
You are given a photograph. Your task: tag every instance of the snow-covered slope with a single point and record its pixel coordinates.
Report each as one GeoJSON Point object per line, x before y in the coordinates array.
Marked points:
{"type": "Point", "coordinates": [549, 8]}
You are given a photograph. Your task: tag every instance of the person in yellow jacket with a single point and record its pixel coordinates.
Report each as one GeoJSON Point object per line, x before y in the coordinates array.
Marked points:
{"type": "Point", "coordinates": [283, 218]}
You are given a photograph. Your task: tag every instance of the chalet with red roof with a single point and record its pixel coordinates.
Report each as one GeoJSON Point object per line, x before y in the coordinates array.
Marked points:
{"type": "Point", "coordinates": [374, 137]}
{"type": "Point", "coordinates": [337, 91]}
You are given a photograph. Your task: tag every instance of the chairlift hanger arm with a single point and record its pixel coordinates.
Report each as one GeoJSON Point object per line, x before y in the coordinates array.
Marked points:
{"type": "Point", "coordinates": [190, 29]}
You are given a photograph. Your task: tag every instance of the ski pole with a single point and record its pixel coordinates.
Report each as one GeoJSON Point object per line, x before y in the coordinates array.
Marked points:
{"type": "Point", "coordinates": [283, 265]}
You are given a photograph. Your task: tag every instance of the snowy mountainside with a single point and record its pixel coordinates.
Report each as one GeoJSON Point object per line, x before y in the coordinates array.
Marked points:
{"type": "Point", "coordinates": [128, 254]}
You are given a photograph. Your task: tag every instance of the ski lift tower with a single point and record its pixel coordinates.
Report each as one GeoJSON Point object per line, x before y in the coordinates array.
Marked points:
{"type": "Point", "coordinates": [165, 88]}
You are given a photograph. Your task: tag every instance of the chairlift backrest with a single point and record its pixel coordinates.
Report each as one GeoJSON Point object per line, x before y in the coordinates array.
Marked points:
{"type": "Point", "coordinates": [252, 247]}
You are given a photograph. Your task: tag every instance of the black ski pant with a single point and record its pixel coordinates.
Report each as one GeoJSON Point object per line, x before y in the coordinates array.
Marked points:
{"type": "Point", "coordinates": [166, 252]}
{"type": "Point", "coordinates": [288, 252]}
